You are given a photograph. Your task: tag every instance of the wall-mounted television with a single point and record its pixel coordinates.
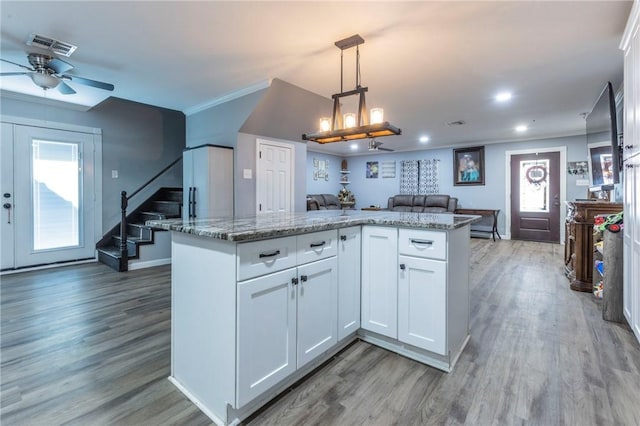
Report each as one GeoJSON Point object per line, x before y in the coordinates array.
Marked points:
{"type": "Point", "coordinates": [602, 142]}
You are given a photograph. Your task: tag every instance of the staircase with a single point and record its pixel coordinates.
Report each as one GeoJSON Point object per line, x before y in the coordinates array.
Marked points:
{"type": "Point", "coordinates": [166, 203]}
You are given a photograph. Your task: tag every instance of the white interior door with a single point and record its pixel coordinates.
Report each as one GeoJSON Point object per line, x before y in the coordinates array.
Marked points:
{"type": "Point", "coordinates": [53, 216]}
{"type": "Point", "coordinates": [274, 185]}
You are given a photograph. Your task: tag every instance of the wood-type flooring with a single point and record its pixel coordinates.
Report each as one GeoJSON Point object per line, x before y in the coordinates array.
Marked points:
{"type": "Point", "coordinates": [84, 345]}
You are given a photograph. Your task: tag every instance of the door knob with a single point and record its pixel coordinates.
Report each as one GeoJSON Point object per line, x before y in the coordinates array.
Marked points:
{"type": "Point", "coordinates": [7, 206]}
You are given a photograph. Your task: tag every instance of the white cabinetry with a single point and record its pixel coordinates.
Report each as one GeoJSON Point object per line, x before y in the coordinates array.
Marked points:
{"type": "Point", "coordinates": [286, 318]}
{"type": "Point", "coordinates": [631, 291]}
{"type": "Point", "coordinates": [208, 182]}
{"type": "Point", "coordinates": [380, 280]}
{"type": "Point", "coordinates": [422, 303]}
{"type": "Point", "coordinates": [415, 292]}
{"type": "Point", "coordinates": [266, 333]}
{"type": "Point", "coordinates": [317, 309]}
{"type": "Point", "coordinates": [348, 281]}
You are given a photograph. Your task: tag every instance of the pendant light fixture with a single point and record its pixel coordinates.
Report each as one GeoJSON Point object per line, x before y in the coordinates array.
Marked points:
{"type": "Point", "coordinates": [351, 126]}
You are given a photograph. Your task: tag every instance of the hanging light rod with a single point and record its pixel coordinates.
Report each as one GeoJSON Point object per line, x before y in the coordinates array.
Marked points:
{"type": "Point", "coordinates": [351, 126]}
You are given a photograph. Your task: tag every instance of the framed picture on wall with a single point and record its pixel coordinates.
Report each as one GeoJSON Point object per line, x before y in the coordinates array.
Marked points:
{"type": "Point", "coordinates": [372, 170]}
{"type": "Point", "coordinates": [468, 166]}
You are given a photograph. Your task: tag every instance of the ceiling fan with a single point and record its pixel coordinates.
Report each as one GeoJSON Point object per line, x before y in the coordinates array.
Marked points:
{"type": "Point", "coordinates": [374, 145]}
{"type": "Point", "coordinates": [47, 73]}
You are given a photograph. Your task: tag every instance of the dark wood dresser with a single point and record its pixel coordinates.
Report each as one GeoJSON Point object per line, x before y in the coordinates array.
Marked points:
{"type": "Point", "coordinates": [578, 249]}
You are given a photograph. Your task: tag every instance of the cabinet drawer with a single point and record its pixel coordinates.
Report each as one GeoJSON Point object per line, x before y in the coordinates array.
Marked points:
{"type": "Point", "coordinates": [264, 257]}
{"type": "Point", "coordinates": [427, 244]}
{"type": "Point", "coordinates": [316, 246]}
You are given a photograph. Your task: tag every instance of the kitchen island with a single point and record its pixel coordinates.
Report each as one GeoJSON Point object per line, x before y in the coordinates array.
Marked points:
{"type": "Point", "coordinates": [258, 303]}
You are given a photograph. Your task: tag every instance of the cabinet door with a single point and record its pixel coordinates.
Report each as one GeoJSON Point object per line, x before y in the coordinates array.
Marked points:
{"type": "Point", "coordinates": [348, 281]}
{"type": "Point", "coordinates": [422, 301]}
{"type": "Point", "coordinates": [635, 249]}
{"type": "Point", "coordinates": [317, 309]}
{"type": "Point", "coordinates": [629, 198]}
{"type": "Point", "coordinates": [266, 333]}
{"type": "Point", "coordinates": [380, 280]}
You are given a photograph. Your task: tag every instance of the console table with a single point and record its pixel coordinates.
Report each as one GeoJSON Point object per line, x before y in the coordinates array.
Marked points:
{"type": "Point", "coordinates": [578, 248]}
{"type": "Point", "coordinates": [489, 222]}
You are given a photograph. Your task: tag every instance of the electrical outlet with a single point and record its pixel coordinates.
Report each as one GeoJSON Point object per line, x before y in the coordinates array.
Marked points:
{"type": "Point", "coordinates": [582, 182]}
{"type": "Point", "coordinates": [114, 174]}
{"type": "Point", "coordinates": [246, 173]}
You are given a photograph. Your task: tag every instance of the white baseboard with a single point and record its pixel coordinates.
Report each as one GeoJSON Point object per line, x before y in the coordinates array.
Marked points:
{"type": "Point", "coordinates": [133, 265]}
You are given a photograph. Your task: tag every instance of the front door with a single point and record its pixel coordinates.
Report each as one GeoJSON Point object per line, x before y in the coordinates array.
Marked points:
{"type": "Point", "coordinates": [48, 190]}
{"type": "Point", "coordinates": [535, 197]}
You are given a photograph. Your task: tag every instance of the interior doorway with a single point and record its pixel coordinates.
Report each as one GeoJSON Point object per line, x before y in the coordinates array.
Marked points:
{"type": "Point", "coordinates": [535, 194]}
{"type": "Point", "coordinates": [50, 195]}
{"type": "Point", "coordinates": [274, 177]}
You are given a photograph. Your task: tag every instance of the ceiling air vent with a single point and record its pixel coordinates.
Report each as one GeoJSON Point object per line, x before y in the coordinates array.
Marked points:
{"type": "Point", "coordinates": [48, 43]}
{"type": "Point", "coordinates": [456, 123]}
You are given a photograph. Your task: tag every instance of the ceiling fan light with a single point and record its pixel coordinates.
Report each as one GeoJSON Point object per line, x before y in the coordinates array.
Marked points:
{"type": "Point", "coordinates": [44, 80]}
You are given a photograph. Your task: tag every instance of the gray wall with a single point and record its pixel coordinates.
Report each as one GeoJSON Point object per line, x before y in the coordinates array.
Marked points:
{"type": "Point", "coordinates": [219, 125]}
{"type": "Point", "coordinates": [491, 195]}
{"type": "Point", "coordinates": [282, 112]}
{"type": "Point", "coordinates": [138, 140]}
{"type": "Point", "coordinates": [245, 189]}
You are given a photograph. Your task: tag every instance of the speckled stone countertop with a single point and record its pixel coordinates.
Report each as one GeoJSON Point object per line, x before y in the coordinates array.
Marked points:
{"type": "Point", "coordinates": [284, 224]}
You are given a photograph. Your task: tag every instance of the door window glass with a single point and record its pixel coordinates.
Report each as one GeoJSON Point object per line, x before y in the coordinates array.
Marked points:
{"type": "Point", "coordinates": [534, 186]}
{"type": "Point", "coordinates": [55, 194]}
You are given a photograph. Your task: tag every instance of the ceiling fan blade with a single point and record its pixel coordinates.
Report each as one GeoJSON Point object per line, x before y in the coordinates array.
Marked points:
{"type": "Point", "coordinates": [88, 82]}
{"type": "Point", "coordinates": [4, 74]}
{"type": "Point", "coordinates": [65, 89]}
{"type": "Point", "coordinates": [59, 66]}
{"type": "Point", "coordinates": [15, 63]}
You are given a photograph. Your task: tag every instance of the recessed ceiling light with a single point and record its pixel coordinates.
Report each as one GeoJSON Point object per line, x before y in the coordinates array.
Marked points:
{"type": "Point", "coordinates": [424, 139]}
{"type": "Point", "coordinates": [503, 96]}
{"type": "Point", "coordinates": [521, 128]}
{"type": "Point", "coordinates": [354, 147]}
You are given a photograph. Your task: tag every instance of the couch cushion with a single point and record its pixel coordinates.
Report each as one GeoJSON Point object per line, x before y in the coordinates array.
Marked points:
{"type": "Point", "coordinates": [319, 200]}
{"type": "Point", "coordinates": [331, 202]}
{"type": "Point", "coordinates": [437, 201]}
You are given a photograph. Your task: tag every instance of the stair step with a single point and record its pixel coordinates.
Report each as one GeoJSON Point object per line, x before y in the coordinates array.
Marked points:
{"type": "Point", "coordinates": [144, 216]}
{"type": "Point", "coordinates": [168, 207]}
{"type": "Point", "coordinates": [174, 194]}
{"type": "Point", "coordinates": [139, 230]}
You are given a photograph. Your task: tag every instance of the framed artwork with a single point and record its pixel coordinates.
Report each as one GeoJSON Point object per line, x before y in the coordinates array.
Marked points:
{"type": "Point", "coordinates": [468, 166]}
{"type": "Point", "coordinates": [372, 170]}
{"type": "Point", "coordinates": [388, 169]}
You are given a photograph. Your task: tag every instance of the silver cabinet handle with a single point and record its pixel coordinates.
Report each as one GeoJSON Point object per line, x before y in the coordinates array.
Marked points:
{"type": "Point", "coordinates": [402, 266]}
{"type": "Point", "coordinates": [424, 242]}
{"type": "Point", "coordinates": [320, 244]}
{"type": "Point", "coordinates": [273, 253]}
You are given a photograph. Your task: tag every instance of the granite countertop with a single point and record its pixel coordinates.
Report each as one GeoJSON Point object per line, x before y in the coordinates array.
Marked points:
{"type": "Point", "coordinates": [284, 224]}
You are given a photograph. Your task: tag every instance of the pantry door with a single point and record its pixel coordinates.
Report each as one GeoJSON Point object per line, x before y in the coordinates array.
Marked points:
{"type": "Point", "coordinates": [274, 183]}
{"type": "Point", "coordinates": [52, 195]}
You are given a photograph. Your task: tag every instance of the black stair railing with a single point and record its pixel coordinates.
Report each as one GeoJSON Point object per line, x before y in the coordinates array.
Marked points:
{"type": "Point", "coordinates": [124, 203]}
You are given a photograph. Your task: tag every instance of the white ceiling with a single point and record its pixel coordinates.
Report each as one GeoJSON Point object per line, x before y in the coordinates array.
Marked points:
{"type": "Point", "coordinates": [427, 63]}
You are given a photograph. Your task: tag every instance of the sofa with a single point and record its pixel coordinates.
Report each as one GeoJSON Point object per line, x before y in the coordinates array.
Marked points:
{"type": "Point", "coordinates": [323, 202]}
{"type": "Point", "coordinates": [436, 203]}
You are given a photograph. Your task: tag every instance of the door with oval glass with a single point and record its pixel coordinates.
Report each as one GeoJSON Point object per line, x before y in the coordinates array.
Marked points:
{"type": "Point", "coordinates": [535, 197]}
